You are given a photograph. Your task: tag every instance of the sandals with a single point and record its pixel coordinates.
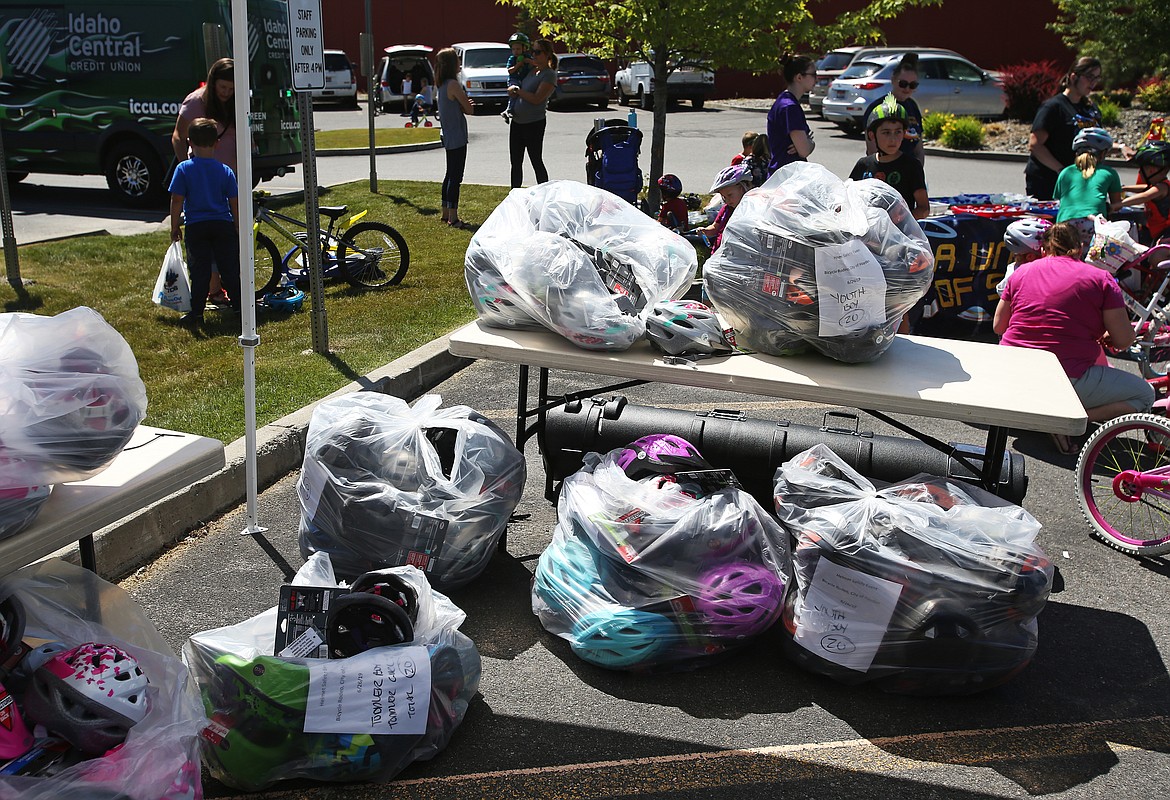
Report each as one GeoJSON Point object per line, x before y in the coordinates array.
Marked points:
{"type": "Point", "coordinates": [1065, 445]}
{"type": "Point", "coordinates": [461, 225]}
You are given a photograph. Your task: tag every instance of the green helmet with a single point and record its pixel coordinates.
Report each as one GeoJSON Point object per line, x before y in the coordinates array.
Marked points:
{"type": "Point", "coordinates": [888, 108]}
{"type": "Point", "coordinates": [518, 37]}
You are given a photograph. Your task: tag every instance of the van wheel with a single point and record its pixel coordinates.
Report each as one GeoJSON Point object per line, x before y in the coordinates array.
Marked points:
{"type": "Point", "coordinates": [135, 175]}
{"type": "Point", "coordinates": [698, 103]}
{"type": "Point", "coordinates": [645, 101]}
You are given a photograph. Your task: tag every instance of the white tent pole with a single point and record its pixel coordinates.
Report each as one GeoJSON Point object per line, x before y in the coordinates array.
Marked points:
{"type": "Point", "coordinates": [248, 336]}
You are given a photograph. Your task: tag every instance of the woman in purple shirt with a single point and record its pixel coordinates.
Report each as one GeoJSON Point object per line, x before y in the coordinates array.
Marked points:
{"type": "Point", "coordinates": [789, 135]}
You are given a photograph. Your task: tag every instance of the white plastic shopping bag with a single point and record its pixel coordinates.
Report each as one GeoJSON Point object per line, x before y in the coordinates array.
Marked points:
{"type": "Point", "coordinates": [173, 288]}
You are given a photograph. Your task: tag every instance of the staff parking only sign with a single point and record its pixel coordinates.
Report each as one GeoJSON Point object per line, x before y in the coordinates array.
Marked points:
{"type": "Point", "coordinates": [308, 46]}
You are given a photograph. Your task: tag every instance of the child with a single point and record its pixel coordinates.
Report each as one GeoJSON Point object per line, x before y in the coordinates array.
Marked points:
{"type": "Point", "coordinates": [1087, 188]}
{"type": "Point", "coordinates": [757, 161]}
{"type": "Point", "coordinates": [1153, 161]}
{"type": "Point", "coordinates": [673, 212]}
{"type": "Point", "coordinates": [205, 192]}
{"type": "Point", "coordinates": [749, 138]}
{"type": "Point", "coordinates": [886, 128]}
{"type": "Point", "coordinates": [519, 64]}
{"type": "Point", "coordinates": [1024, 239]}
{"type": "Point", "coordinates": [732, 183]}
{"type": "Point", "coordinates": [428, 94]}
{"type": "Point", "coordinates": [407, 94]}
{"type": "Point", "coordinates": [419, 109]}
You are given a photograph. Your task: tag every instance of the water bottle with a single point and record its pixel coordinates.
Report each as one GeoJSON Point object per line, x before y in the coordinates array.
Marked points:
{"type": "Point", "coordinates": [632, 119]}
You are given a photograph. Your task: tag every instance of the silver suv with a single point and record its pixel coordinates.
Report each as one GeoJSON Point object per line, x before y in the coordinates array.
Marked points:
{"type": "Point", "coordinates": [834, 62]}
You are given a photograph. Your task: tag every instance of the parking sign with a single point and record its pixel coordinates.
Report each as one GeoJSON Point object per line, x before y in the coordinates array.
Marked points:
{"type": "Point", "coordinates": [308, 45]}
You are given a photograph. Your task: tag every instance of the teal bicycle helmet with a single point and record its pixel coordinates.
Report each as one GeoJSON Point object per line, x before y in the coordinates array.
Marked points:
{"type": "Point", "coordinates": [620, 638]}
{"type": "Point", "coordinates": [566, 575]}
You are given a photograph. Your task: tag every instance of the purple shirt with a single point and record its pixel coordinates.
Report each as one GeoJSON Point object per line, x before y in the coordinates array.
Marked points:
{"type": "Point", "coordinates": [785, 116]}
{"type": "Point", "coordinates": [1058, 305]}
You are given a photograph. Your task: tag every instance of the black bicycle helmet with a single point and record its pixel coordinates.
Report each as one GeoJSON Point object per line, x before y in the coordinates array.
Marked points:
{"type": "Point", "coordinates": [361, 621]}
{"type": "Point", "coordinates": [392, 586]}
{"type": "Point", "coordinates": [519, 37]}
{"type": "Point", "coordinates": [1152, 154]}
{"type": "Point", "coordinates": [11, 627]}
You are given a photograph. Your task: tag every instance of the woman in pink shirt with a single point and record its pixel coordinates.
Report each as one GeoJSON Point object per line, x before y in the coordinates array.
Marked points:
{"type": "Point", "coordinates": [1069, 308]}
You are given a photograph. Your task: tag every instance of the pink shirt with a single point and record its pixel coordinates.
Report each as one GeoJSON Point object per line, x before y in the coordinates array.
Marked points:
{"type": "Point", "coordinates": [1057, 305]}
{"type": "Point", "coordinates": [195, 107]}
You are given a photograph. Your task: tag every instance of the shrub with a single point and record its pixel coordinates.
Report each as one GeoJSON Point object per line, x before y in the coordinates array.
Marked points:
{"type": "Point", "coordinates": [1110, 113]}
{"type": "Point", "coordinates": [933, 123]}
{"type": "Point", "coordinates": [1155, 94]}
{"type": "Point", "coordinates": [1123, 97]}
{"type": "Point", "coordinates": [963, 133]}
{"type": "Point", "coordinates": [1027, 85]}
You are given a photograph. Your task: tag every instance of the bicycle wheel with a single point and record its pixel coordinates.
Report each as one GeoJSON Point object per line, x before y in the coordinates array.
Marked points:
{"type": "Point", "coordinates": [373, 255]}
{"type": "Point", "coordinates": [268, 266]}
{"type": "Point", "coordinates": [1123, 483]}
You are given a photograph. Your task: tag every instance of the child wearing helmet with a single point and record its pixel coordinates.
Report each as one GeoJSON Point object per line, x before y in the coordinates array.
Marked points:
{"type": "Point", "coordinates": [519, 64]}
{"type": "Point", "coordinates": [1153, 163]}
{"type": "Point", "coordinates": [673, 212]}
{"type": "Point", "coordinates": [732, 183]}
{"type": "Point", "coordinates": [1024, 239]}
{"type": "Point", "coordinates": [886, 128]}
{"type": "Point", "coordinates": [419, 109]}
{"type": "Point", "coordinates": [1087, 187]}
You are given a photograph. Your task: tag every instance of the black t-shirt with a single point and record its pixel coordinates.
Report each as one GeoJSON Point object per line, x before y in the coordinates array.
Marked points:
{"type": "Point", "coordinates": [1062, 118]}
{"type": "Point", "coordinates": [904, 174]}
{"type": "Point", "coordinates": [913, 136]}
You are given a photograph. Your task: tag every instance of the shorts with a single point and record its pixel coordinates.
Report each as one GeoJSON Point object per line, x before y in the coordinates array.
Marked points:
{"type": "Point", "coordinates": [1101, 385]}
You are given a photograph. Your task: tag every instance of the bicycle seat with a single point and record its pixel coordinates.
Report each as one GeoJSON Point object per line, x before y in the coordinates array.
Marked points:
{"type": "Point", "coordinates": [1158, 256]}
{"type": "Point", "coordinates": [333, 212]}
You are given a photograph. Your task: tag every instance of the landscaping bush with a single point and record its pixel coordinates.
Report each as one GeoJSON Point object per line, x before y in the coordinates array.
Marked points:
{"type": "Point", "coordinates": [1155, 94]}
{"type": "Point", "coordinates": [1110, 112]}
{"type": "Point", "coordinates": [962, 133]}
{"type": "Point", "coordinates": [1123, 97]}
{"type": "Point", "coordinates": [1027, 85]}
{"type": "Point", "coordinates": [933, 123]}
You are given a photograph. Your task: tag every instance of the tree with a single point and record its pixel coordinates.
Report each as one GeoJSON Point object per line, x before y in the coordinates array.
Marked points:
{"type": "Point", "coordinates": [1129, 38]}
{"type": "Point", "coordinates": [750, 34]}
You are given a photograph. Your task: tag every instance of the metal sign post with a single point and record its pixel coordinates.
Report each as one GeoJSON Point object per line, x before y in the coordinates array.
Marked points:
{"type": "Point", "coordinates": [370, 71]}
{"type": "Point", "coordinates": [11, 259]}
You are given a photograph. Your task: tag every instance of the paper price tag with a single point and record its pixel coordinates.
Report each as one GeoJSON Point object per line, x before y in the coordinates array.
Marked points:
{"type": "Point", "coordinates": [851, 289]}
{"type": "Point", "coordinates": [382, 691]}
{"type": "Point", "coordinates": [845, 615]}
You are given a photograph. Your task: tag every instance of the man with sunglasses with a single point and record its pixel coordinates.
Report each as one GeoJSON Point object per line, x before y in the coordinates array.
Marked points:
{"type": "Point", "coordinates": [902, 85]}
{"type": "Point", "coordinates": [1050, 144]}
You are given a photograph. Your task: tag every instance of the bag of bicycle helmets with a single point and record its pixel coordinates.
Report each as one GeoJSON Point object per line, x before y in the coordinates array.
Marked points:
{"type": "Point", "coordinates": [386, 484]}
{"type": "Point", "coordinates": [577, 260]}
{"type": "Point", "coordinates": [658, 561]}
{"type": "Point", "coordinates": [70, 397]}
{"type": "Point", "coordinates": [265, 723]}
{"type": "Point", "coordinates": [19, 506]}
{"type": "Point", "coordinates": [111, 706]}
{"type": "Point", "coordinates": [930, 586]}
{"type": "Point", "coordinates": [808, 261]}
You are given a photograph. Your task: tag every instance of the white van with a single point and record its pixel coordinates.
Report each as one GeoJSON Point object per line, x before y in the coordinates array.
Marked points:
{"type": "Point", "coordinates": [402, 60]}
{"type": "Point", "coordinates": [484, 73]}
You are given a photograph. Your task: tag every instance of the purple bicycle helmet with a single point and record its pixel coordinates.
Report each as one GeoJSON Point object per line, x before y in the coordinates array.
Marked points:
{"type": "Point", "coordinates": [739, 599]}
{"type": "Point", "coordinates": [660, 454]}
{"type": "Point", "coordinates": [729, 176]}
{"type": "Point", "coordinates": [91, 695]}
{"type": "Point", "coordinates": [683, 326]}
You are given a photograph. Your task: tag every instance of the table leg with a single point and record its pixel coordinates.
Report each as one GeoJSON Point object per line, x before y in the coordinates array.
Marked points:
{"type": "Point", "coordinates": [993, 455]}
{"type": "Point", "coordinates": [521, 406]}
{"type": "Point", "coordinates": [87, 552]}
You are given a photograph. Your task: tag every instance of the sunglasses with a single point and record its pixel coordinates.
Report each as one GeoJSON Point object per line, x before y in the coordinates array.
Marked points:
{"type": "Point", "coordinates": [540, 52]}
{"type": "Point", "coordinates": [908, 84]}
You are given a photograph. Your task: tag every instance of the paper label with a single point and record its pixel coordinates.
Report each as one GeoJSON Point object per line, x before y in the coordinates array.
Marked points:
{"type": "Point", "coordinates": [851, 289]}
{"type": "Point", "coordinates": [304, 646]}
{"type": "Point", "coordinates": [382, 691]}
{"type": "Point", "coordinates": [845, 615]}
{"type": "Point", "coordinates": [313, 477]}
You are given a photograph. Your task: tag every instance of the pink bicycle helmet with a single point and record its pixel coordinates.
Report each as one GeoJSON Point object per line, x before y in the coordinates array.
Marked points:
{"type": "Point", "coordinates": [660, 454]}
{"type": "Point", "coordinates": [91, 695]}
{"type": "Point", "coordinates": [739, 599]}
{"type": "Point", "coordinates": [15, 740]}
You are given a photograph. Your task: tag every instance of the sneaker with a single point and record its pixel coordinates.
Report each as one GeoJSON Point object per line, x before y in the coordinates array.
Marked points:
{"type": "Point", "coordinates": [507, 115]}
{"type": "Point", "coordinates": [219, 298]}
{"type": "Point", "coordinates": [191, 318]}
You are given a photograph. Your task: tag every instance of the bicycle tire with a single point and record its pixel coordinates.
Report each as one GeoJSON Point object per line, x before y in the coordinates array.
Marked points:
{"type": "Point", "coordinates": [268, 266]}
{"type": "Point", "coordinates": [373, 255]}
{"type": "Point", "coordinates": [1123, 516]}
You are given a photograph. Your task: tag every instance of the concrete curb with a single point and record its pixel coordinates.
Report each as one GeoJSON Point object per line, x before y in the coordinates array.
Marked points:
{"type": "Point", "coordinates": [127, 544]}
{"type": "Point", "coordinates": [381, 151]}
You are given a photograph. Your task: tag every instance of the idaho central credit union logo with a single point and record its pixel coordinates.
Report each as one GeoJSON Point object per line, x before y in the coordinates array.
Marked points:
{"type": "Point", "coordinates": [28, 41]}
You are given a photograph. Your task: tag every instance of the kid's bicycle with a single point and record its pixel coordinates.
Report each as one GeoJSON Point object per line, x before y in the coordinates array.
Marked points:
{"type": "Point", "coordinates": [370, 255]}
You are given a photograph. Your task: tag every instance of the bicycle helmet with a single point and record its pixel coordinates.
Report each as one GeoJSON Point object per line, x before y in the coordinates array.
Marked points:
{"type": "Point", "coordinates": [1094, 140]}
{"type": "Point", "coordinates": [91, 695]}
{"type": "Point", "coordinates": [739, 599]}
{"type": "Point", "coordinates": [19, 506]}
{"type": "Point", "coordinates": [290, 298]}
{"type": "Point", "coordinates": [361, 621]}
{"type": "Point", "coordinates": [11, 627]}
{"type": "Point", "coordinates": [888, 108]}
{"type": "Point", "coordinates": [392, 586]}
{"type": "Point", "coordinates": [1152, 154]}
{"type": "Point", "coordinates": [670, 184]}
{"type": "Point", "coordinates": [15, 739]}
{"type": "Point", "coordinates": [729, 176]}
{"type": "Point", "coordinates": [622, 637]}
{"type": "Point", "coordinates": [567, 575]}
{"type": "Point", "coordinates": [660, 454]}
{"type": "Point", "coordinates": [683, 326]}
{"type": "Point", "coordinates": [519, 37]}
{"type": "Point", "coordinates": [1026, 235]}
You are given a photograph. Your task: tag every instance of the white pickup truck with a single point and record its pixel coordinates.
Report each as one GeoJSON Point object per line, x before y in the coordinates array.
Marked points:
{"type": "Point", "coordinates": [636, 82]}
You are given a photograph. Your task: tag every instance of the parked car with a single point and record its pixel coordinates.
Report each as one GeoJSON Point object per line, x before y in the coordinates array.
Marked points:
{"type": "Point", "coordinates": [948, 83]}
{"type": "Point", "coordinates": [581, 78]}
{"type": "Point", "coordinates": [835, 62]}
{"type": "Point", "coordinates": [484, 73]}
{"type": "Point", "coordinates": [402, 60]}
{"type": "Point", "coordinates": [340, 81]}
{"type": "Point", "coordinates": [636, 82]}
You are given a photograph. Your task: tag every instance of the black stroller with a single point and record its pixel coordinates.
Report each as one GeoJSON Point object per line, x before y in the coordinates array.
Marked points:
{"type": "Point", "coordinates": [611, 159]}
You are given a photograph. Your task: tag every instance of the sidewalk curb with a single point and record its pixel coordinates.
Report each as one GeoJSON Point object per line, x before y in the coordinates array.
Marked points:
{"type": "Point", "coordinates": [124, 546]}
{"type": "Point", "coordinates": [388, 149]}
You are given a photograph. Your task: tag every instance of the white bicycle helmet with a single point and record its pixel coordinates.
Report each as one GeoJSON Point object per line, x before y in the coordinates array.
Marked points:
{"type": "Point", "coordinates": [682, 326]}
{"type": "Point", "coordinates": [91, 695]}
{"type": "Point", "coordinates": [729, 176]}
{"type": "Point", "coordinates": [1026, 235]}
{"type": "Point", "coordinates": [1095, 140]}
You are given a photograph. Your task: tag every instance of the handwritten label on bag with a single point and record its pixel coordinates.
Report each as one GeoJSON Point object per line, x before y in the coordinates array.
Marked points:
{"type": "Point", "coordinates": [382, 691]}
{"type": "Point", "coordinates": [851, 289]}
{"type": "Point", "coordinates": [845, 615]}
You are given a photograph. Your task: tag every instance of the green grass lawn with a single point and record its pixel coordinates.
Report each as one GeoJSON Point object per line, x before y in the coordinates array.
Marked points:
{"type": "Point", "coordinates": [383, 136]}
{"type": "Point", "coordinates": [194, 379]}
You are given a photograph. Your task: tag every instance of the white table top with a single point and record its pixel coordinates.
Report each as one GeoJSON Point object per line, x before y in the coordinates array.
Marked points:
{"type": "Point", "coordinates": [154, 464]}
{"type": "Point", "coordinates": [922, 376]}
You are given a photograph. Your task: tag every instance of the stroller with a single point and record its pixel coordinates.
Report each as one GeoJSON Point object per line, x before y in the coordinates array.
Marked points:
{"type": "Point", "coordinates": [611, 159]}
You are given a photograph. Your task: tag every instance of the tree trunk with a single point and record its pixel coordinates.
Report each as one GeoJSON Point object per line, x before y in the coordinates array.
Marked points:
{"type": "Point", "coordinates": [658, 139]}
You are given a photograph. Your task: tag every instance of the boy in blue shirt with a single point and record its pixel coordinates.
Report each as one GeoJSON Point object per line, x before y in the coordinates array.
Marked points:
{"type": "Point", "coordinates": [205, 191]}
{"type": "Point", "coordinates": [519, 65]}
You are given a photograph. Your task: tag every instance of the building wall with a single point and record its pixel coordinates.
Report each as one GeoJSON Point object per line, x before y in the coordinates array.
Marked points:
{"type": "Point", "coordinates": [992, 33]}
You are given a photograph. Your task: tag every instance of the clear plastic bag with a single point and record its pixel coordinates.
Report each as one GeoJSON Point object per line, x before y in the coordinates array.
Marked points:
{"type": "Point", "coordinates": [160, 757]}
{"type": "Point", "coordinates": [19, 506]}
{"type": "Point", "coordinates": [577, 260]}
{"type": "Point", "coordinates": [70, 397]}
{"type": "Point", "coordinates": [657, 574]}
{"type": "Point", "coordinates": [809, 261]}
{"type": "Point", "coordinates": [385, 484]}
{"type": "Point", "coordinates": [929, 586]}
{"type": "Point", "coordinates": [258, 703]}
